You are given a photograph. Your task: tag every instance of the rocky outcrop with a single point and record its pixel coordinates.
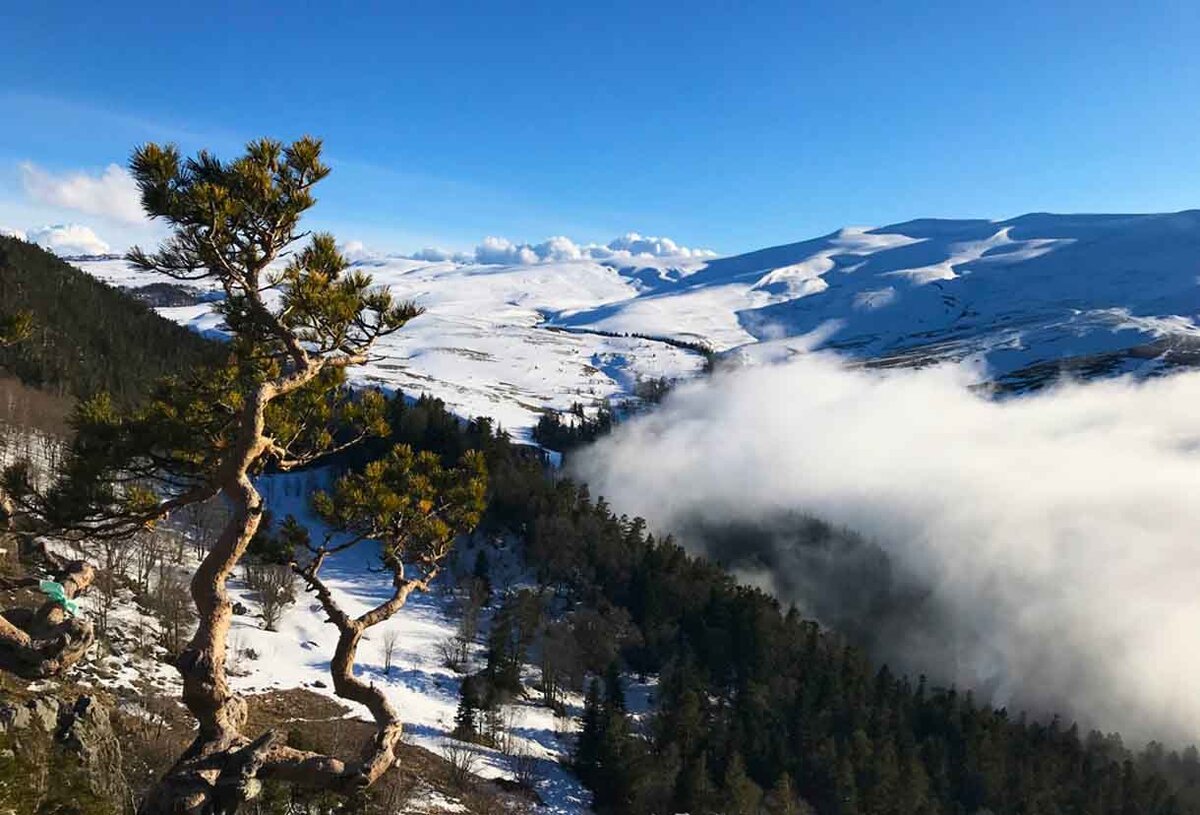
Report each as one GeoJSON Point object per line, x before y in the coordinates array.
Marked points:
{"type": "Point", "coordinates": [81, 727]}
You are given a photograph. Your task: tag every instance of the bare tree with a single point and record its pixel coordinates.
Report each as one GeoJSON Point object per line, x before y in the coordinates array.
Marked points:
{"type": "Point", "coordinates": [455, 653]}
{"type": "Point", "coordinates": [171, 603]}
{"type": "Point", "coordinates": [109, 579]}
{"type": "Point", "coordinates": [527, 768]}
{"type": "Point", "coordinates": [391, 638]}
{"type": "Point", "coordinates": [275, 588]}
{"type": "Point", "coordinates": [147, 558]}
{"type": "Point", "coordinates": [463, 759]}
{"type": "Point", "coordinates": [560, 663]}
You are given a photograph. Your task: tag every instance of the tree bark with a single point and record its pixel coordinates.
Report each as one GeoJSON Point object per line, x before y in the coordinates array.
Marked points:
{"type": "Point", "coordinates": [219, 713]}
{"type": "Point", "coordinates": [321, 771]}
{"type": "Point", "coordinates": [222, 764]}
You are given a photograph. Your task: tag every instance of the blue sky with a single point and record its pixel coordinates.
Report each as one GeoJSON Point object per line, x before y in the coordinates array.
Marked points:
{"type": "Point", "coordinates": [730, 126]}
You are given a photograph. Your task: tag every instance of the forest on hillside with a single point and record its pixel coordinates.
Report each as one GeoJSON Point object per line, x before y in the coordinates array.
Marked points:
{"type": "Point", "coordinates": [760, 710]}
{"type": "Point", "coordinates": [86, 337]}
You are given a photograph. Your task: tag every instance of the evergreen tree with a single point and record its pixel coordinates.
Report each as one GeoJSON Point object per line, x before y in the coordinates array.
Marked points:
{"type": "Point", "coordinates": [481, 573]}
{"type": "Point", "coordinates": [466, 724]}
{"type": "Point", "coordinates": [81, 336]}
{"type": "Point", "coordinates": [782, 799]}
{"type": "Point", "coordinates": [503, 666]}
{"type": "Point", "coordinates": [591, 733]}
{"type": "Point", "coordinates": [694, 790]}
{"type": "Point", "coordinates": [614, 688]}
{"type": "Point", "coordinates": [741, 795]}
{"type": "Point", "coordinates": [15, 327]}
{"type": "Point", "coordinates": [271, 402]}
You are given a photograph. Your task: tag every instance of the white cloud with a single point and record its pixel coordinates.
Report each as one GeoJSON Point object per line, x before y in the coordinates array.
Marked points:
{"type": "Point", "coordinates": [433, 254]}
{"type": "Point", "coordinates": [1052, 538]}
{"type": "Point", "coordinates": [502, 250]}
{"type": "Point", "coordinates": [13, 233]}
{"type": "Point", "coordinates": [68, 239]}
{"type": "Point", "coordinates": [648, 245]}
{"type": "Point", "coordinates": [112, 194]}
{"type": "Point", "coordinates": [496, 250]}
{"type": "Point", "coordinates": [559, 247]}
{"type": "Point", "coordinates": [356, 251]}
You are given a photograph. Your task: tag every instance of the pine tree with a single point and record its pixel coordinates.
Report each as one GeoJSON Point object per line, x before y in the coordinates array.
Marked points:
{"type": "Point", "coordinates": [15, 327]}
{"type": "Point", "coordinates": [591, 733]}
{"type": "Point", "coordinates": [503, 666]}
{"type": "Point", "coordinates": [294, 327]}
{"type": "Point", "coordinates": [694, 791]}
{"type": "Point", "coordinates": [782, 799]}
{"type": "Point", "coordinates": [415, 508]}
{"type": "Point", "coordinates": [614, 689]}
{"type": "Point", "coordinates": [619, 767]}
{"type": "Point", "coordinates": [481, 573]}
{"type": "Point", "coordinates": [466, 726]}
{"type": "Point", "coordinates": [740, 794]}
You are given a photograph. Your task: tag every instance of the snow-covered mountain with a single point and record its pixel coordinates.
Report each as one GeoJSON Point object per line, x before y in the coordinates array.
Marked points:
{"type": "Point", "coordinates": [1027, 297]}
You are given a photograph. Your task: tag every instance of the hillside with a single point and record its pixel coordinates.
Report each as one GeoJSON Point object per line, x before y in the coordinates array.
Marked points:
{"type": "Point", "coordinates": [1008, 294]}
{"type": "Point", "coordinates": [88, 336]}
{"type": "Point", "coordinates": [1027, 298]}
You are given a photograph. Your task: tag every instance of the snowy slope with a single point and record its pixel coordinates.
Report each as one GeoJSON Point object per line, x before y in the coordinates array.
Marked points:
{"type": "Point", "coordinates": [1009, 293]}
{"type": "Point", "coordinates": [1117, 292]}
{"type": "Point", "coordinates": [297, 654]}
{"type": "Point", "coordinates": [419, 685]}
{"type": "Point", "coordinates": [483, 344]}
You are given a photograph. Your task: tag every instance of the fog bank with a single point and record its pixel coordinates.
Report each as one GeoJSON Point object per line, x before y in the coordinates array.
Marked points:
{"type": "Point", "coordinates": [1043, 549]}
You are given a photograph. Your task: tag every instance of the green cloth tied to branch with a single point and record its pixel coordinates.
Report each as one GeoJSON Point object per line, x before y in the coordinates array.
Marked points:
{"type": "Point", "coordinates": [58, 593]}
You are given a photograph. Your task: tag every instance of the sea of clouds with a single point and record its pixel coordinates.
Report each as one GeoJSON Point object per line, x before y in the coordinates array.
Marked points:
{"type": "Point", "coordinates": [1052, 540]}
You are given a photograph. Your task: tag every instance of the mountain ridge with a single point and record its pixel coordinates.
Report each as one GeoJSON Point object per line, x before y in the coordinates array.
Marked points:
{"type": "Point", "coordinates": [1091, 294]}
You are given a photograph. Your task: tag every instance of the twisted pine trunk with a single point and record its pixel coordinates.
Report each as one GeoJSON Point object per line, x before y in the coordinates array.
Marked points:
{"type": "Point", "coordinates": [217, 771]}
{"type": "Point", "coordinates": [221, 768]}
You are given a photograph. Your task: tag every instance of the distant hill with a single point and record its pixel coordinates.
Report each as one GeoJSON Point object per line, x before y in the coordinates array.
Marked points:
{"type": "Point", "coordinates": [1030, 298]}
{"type": "Point", "coordinates": [88, 336]}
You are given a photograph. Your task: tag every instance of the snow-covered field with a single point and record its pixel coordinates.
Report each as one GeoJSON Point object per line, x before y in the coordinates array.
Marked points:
{"type": "Point", "coordinates": [1005, 294]}
{"type": "Point", "coordinates": [483, 344]}
{"type": "Point", "coordinates": [297, 654]}
{"type": "Point", "coordinates": [422, 688]}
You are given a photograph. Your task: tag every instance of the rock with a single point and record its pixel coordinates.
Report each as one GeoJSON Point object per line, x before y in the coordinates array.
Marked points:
{"type": "Point", "coordinates": [45, 713]}
{"type": "Point", "coordinates": [86, 730]}
{"type": "Point", "coordinates": [82, 723]}
{"type": "Point", "coordinates": [14, 717]}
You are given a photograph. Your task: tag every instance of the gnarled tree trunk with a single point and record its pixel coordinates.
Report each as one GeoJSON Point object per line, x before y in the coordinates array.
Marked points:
{"type": "Point", "coordinates": [45, 642]}
{"type": "Point", "coordinates": [217, 771]}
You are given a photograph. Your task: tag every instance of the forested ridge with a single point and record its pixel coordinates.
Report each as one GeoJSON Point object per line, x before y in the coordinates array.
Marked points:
{"type": "Point", "coordinates": [85, 336]}
{"type": "Point", "coordinates": [760, 710]}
